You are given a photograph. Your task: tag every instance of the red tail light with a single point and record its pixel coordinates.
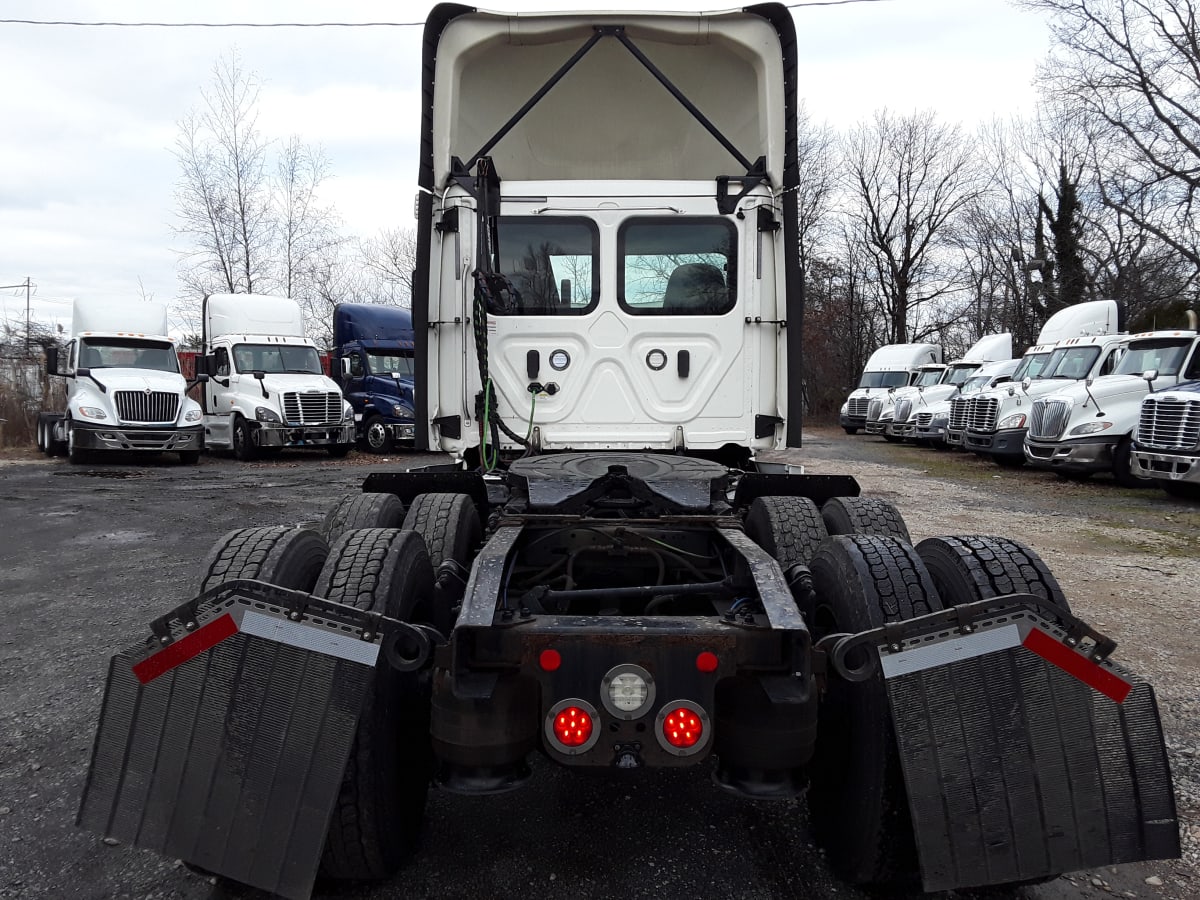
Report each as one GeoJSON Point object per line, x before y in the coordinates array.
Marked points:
{"type": "Point", "coordinates": [682, 728]}
{"type": "Point", "coordinates": [573, 726]}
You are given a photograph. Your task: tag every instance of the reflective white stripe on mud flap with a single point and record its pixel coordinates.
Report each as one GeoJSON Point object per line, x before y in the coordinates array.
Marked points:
{"type": "Point", "coordinates": [960, 647]}
{"type": "Point", "coordinates": [307, 637]}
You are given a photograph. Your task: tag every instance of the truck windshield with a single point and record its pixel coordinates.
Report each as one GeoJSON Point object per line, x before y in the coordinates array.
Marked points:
{"type": "Point", "coordinates": [883, 379]}
{"type": "Point", "coordinates": [1072, 362]}
{"type": "Point", "coordinates": [1164, 354]}
{"type": "Point", "coordinates": [677, 267]}
{"type": "Point", "coordinates": [1032, 365]}
{"type": "Point", "coordinates": [551, 262]}
{"type": "Point", "coordinates": [127, 353]}
{"type": "Point", "coordinates": [959, 374]}
{"type": "Point", "coordinates": [975, 384]}
{"type": "Point", "coordinates": [929, 377]}
{"type": "Point", "coordinates": [389, 362]}
{"type": "Point", "coordinates": [276, 359]}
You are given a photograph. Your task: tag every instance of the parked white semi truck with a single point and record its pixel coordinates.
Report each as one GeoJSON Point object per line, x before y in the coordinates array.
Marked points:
{"type": "Point", "coordinates": [907, 402]}
{"type": "Point", "coordinates": [608, 254]}
{"type": "Point", "coordinates": [931, 421]}
{"type": "Point", "coordinates": [124, 387]}
{"type": "Point", "coordinates": [1166, 442]}
{"type": "Point", "coordinates": [995, 422]}
{"type": "Point", "coordinates": [1087, 427]}
{"type": "Point", "coordinates": [893, 366]}
{"type": "Point", "coordinates": [266, 388]}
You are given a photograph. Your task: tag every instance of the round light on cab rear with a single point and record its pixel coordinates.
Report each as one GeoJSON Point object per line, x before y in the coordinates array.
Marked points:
{"type": "Point", "coordinates": [682, 727]}
{"type": "Point", "coordinates": [627, 691]}
{"type": "Point", "coordinates": [572, 726]}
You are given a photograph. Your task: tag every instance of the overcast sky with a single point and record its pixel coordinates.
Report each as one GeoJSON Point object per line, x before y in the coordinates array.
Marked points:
{"type": "Point", "coordinates": [90, 115]}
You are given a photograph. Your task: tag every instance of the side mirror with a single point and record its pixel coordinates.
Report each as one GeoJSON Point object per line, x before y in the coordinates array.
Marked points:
{"type": "Point", "coordinates": [206, 364]}
{"type": "Point", "coordinates": [202, 378]}
{"type": "Point", "coordinates": [83, 372]}
{"type": "Point", "coordinates": [52, 360]}
{"type": "Point", "coordinates": [345, 366]}
{"type": "Point", "coordinates": [1091, 379]}
{"type": "Point", "coordinates": [260, 375]}
{"type": "Point", "coordinates": [1150, 376]}
{"type": "Point", "coordinates": [1026, 382]}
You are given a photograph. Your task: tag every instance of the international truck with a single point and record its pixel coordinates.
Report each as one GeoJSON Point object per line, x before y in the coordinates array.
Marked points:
{"type": "Point", "coordinates": [1087, 427]}
{"type": "Point", "coordinates": [931, 422]}
{"type": "Point", "coordinates": [891, 366]}
{"type": "Point", "coordinates": [1166, 442]}
{"type": "Point", "coordinates": [266, 388]}
{"type": "Point", "coordinates": [907, 402]}
{"type": "Point", "coordinates": [372, 363]}
{"type": "Point", "coordinates": [881, 411]}
{"type": "Point", "coordinates": [1078, 342]}
{"type": "Point", "coordinates": [124, 387]}
{"type": "Point", "coordinates": [604, 572]}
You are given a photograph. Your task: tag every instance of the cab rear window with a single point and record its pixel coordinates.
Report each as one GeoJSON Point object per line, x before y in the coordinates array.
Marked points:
{"type": "Point", "coordinates": [677, 267]}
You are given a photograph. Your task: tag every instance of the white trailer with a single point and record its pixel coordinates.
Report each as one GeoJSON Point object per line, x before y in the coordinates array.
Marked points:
{"type": "Point", "coordinates": [266, 388]}
{"type": "Point", "coordinates": [124, 386]}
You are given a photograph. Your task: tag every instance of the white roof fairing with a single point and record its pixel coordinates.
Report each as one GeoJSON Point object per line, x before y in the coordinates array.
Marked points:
{"type": "Point", "coordinates": [609, 117]}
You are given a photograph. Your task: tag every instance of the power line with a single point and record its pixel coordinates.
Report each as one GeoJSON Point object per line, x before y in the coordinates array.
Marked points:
{"type": "Point", "coordinates": [80, 24]}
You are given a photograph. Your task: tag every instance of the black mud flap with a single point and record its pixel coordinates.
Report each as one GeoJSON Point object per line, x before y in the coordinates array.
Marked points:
{"type": "Point", "coordinates": [223, 739]}
{"type": "Point", "coordinates": [1026, 753]}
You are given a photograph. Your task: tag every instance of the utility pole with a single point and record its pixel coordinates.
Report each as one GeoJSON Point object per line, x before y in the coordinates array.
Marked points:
{"type": "Point", "coordinates": [28, 285]}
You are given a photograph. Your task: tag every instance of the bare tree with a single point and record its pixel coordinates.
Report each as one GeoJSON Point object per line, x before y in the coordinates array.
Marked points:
{"type": "Point", "coordinates": [389, 260]}
{"type": "Point", "coordinates": [816, 191]}
{"type": "Point", "coordinates": [306, 231]}
{"type": "Point", "coordinates": [910, 178]}
{"type": "Point", "coordinates": [1129, 68]}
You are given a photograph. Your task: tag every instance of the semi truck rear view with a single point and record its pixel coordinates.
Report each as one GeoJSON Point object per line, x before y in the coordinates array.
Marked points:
{"type": "Point", "coordinates": [605, 574]}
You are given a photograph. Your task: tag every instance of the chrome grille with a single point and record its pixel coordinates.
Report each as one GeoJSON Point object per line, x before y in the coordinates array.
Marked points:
{"type": "Point", "coordinates": [312, 408]}
{"type": "Point", "coordinates": [903, 410]}
{"type": "Point", "coordinates": [874, 410]}
{"type": "Point", "coordinates": [960, 408]}
{"type": "Point", "coordinates": [1169, 423]}
{"type": "Point", "coordinates": [1048, 418]}
{"type": "Point", "coordinates": [140, 406]}
{"type": "Point", "coordinates": [924, 419]}
{"type": "Point", "coordinates": [982, 414]}
{"type": "Point", "coordinates": [858, 406]}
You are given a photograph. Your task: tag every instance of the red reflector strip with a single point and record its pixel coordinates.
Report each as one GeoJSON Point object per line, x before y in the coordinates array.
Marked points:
{"type": "Point", "coordinates": [1075, 664]}
{"type": "Point", "coordinates": [187, 647]}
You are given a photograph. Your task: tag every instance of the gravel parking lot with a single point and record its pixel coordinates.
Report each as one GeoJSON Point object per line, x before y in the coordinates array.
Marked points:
{"type": "Point", "coordinates": [89, 554]}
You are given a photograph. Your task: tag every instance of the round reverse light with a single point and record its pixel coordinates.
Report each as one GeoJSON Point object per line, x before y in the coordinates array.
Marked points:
{"type": "Point", "coordinates": [627, 691]}
{"type": "Point", "coordinates": [572, 726]}
{"type": "Point", "coordinates": [682, 727]}
{"type": "Point", "coordinates": [559, 360]}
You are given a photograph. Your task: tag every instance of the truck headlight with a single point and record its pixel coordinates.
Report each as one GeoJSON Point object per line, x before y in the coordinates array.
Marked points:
{"type": "Point", "coordinates": [401, 411]}
{"type": "Point", "coordinates": [845, 408]}
{"type": "Point", "coordinates": [92, 412]}
{"type": "Point", "coordinates": [266, 414]}
{"type": "Point", "coordinates": [939, 422]}
{"type": "Point", "coordinates": [1014, 421]}
{"type": "Point", "coordinates": [347, 413]}
{"type": "Point", "coordinates": [1090, 427]}
{"type": "Point", "coordinates": [192, 415]}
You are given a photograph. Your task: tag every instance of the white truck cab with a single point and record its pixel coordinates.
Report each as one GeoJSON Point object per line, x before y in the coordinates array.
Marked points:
{"type": "Point", "coordinates": [124, 386]}
{"type": "Point", "coordinates": [1166, 442]}
{"type": "Point", "coordinates": [266, 388]}
{"type": "Point", "coordinates": [892, 366]}
{"type": "Point", "coordinates": [1087, 427]}
{"type": "Point", "coordinates": [931, 419]}
{"type": "Point", "coordinates": [1074, 343]}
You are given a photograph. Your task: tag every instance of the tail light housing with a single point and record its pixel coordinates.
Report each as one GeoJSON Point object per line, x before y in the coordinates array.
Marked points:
{"type": "Point", "coordinates": [572, 726]}
{"type": "Point", "coordinates": [682, 727]}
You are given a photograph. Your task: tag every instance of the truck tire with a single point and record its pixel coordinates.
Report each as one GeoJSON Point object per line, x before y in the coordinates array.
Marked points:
{"type": "Point", "coordinates": [278, 554]}
{"type": "Point", "coordinates": [54, 446]}
{"type": "Point", "coordinates": [243, 441]}
{"type": "Point", "coordinates": [338, 451]}
{"type": "Point", "coordinates": [377, 821]}
{"type": "Point", "coordinates": [41, 433]}
{"type": "Point", "coordinates": [849, 430]}
{"type": "Point", "coordinates": [362, 511]}
{"type": "Point", "coordinates": [376, 436]}
{"type": "Point", "coordinates": [76, 455]}
{"type": "Point", "coordinates": [857, 797]}
{"type": "Point", "coordinates": [976, 567]}
{"type": "Point", "coordinates": [450, 525]}
{"type": "Point", "coordinates": [1122, 470]}
{"type": "Point", "coordinates": [788, 528]}
{"type": "Point", "coordinates": [864, 515]}
{"type": "Point", "coordinates": [189, 457]}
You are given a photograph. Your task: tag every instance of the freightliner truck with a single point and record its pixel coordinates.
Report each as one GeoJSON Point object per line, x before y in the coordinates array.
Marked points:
{"type": "Point", "coordinates": [892, 366]}
{"type": "Point", "coordinates": [1087, 427]}
{"type": "Point", "coordinates": [373, 365]}
{"type": "Point", "coordinates": [605, 572]}
{"type": "Point", "coordinates": [124, 387]}
{"type": "Point", "coordinates": [1166, 442]}
{"type": "Point", "coordinates": [1075, 343]}
{"type": "Point", "coordinates": [931, 422]}
{"type": "Point", "coordinates": [266, 389]}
